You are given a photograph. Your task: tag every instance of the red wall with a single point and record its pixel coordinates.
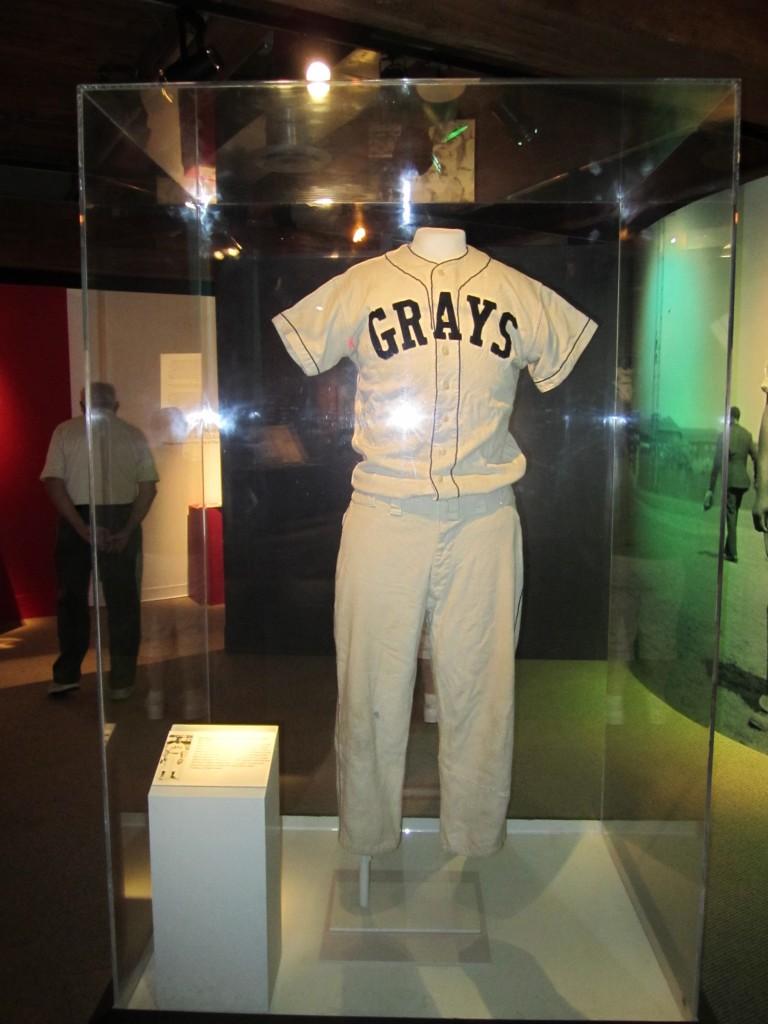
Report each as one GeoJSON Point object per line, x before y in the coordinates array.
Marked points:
{"type": "Point", "coordinates": [34, 397]}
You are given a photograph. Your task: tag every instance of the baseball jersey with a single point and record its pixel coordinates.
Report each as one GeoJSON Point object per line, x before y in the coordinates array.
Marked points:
{"type": "Point", "coordinates": [122, 459]}
{"type": "Point", "coordinates": [439, 348]}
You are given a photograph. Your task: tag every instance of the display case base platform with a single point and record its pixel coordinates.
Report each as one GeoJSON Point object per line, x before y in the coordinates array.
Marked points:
{"type": "Point", "coordinates": [214, 819]}
{"type": "Point", "coordinates": [544, 929]}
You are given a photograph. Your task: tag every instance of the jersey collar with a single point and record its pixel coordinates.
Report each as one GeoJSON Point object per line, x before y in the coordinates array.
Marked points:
{"type": "Point", "coordinates": [464, 267]}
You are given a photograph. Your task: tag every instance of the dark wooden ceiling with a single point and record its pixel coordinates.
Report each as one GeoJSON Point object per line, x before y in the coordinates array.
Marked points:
{"type": "Point", "coordinates": [48, 47]}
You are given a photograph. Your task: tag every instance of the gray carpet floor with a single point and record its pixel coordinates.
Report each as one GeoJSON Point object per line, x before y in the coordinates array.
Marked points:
{"type": "Point", "coordinates": [55, 962]}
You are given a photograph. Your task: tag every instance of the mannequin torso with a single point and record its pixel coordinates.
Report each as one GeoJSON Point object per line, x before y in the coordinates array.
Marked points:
{"type": "Point", "coordinates": [439, 244]}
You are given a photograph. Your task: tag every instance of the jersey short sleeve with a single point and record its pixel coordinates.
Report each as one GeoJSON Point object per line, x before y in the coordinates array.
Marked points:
{"type": "Point", "coordinates": [146, 470]}
{"type": "Point", "coordinates": [562, 334]}
{"type": "Point", "coordinates": [320, 329]}
{"type": "Point", "coordinates": [55, 460]}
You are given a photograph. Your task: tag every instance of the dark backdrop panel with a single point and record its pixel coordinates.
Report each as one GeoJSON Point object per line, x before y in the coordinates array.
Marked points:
{"type": "Point", "coordinates": [287, 462]}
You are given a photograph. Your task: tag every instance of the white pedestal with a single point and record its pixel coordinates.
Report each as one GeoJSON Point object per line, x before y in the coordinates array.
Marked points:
{"type": "Point", "coordinates": [214, 823]}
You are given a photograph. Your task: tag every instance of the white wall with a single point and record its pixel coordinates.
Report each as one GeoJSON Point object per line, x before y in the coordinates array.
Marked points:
{"type": "Point", "coordinates": [682, 342]}
{"type": "Point", "coordinates": [750, 349]}
{"type": "Point", "coordinates": [128, 332]}
{"type": "Point", "coordinates": [694, 333]}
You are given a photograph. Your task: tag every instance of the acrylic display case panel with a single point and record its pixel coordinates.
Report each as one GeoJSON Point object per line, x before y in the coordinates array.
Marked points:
{"type": "Point", "coordinates": [210, 210]}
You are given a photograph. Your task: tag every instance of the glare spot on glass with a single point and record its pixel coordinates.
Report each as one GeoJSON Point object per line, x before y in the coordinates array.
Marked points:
{"type": "Point", "coordinates": [318, 90]}
{"type": "Point", "coordinates": [319, 308]}
{"type": "Point", "coordinates": [615, 421]}
{"type": "Point", "coordinates": [359, 234]}
{"type": "Point", "coordinates": [322, 201]}
{"type": "Point", "coordinates": [673, 240]}
{"type": "Point", "coordinates": [199, 182]}
{"type": "Point", "coordinates": [405, 189]}
{"type": "Point", "coordinates": [206, 418]}
{"type": "Point", "coordinates": [405, 416]}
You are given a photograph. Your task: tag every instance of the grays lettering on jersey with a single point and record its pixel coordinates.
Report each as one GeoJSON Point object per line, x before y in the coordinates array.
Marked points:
{"type": "Point", "coordinates": [439, 348]}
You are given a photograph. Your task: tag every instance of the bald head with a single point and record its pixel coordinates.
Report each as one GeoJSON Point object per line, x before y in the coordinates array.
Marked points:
{"type": "Point", "coordinates": [103, 396]}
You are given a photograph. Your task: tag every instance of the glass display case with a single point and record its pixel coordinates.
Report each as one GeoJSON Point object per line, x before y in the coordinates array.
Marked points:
{"type": "Point", "coordinates": [502, 310]}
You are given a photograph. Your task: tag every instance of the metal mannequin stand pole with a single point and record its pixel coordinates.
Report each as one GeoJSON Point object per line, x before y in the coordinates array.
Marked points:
{"type": "Point", "coordinates": [365, 879]}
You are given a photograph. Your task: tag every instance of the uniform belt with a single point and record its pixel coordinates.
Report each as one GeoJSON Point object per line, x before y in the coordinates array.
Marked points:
{"type": "Point", "coordinates": [464, 507]}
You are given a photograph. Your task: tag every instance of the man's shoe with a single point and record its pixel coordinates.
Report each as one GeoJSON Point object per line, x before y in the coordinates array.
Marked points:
{"type": "Point", "coordinates": [155, 705]}
{"type": "Point", "coordinates": [730, 558]}
{"type": "Point", "coordinates": [195, 705]}
{"type": "Point", "coordinates": [120, 692]}
{"type": "Point", "coordinates": [57, 688]}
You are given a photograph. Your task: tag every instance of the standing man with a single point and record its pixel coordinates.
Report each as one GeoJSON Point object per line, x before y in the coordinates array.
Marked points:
{"type": "Point", "coordinates": [740, 445]}
{"type": "Point", "coordinates": [125, 481]}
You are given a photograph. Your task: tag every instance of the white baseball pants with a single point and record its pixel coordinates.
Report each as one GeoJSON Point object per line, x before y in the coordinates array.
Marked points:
{"type": "Point", "coordinates": [461, 559]}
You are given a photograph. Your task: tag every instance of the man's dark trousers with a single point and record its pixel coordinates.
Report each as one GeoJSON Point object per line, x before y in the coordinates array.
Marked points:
{"type": "Point", "coordinates": [120, 580]}
{"type": "Point", "coordinates": [733, 500]}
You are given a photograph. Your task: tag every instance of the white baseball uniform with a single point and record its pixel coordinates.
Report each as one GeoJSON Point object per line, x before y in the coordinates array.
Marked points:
{"type": "Point", "coordinates": [432, 524]}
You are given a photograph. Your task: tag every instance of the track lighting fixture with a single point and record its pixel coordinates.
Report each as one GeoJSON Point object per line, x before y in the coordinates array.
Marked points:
{"type": "Point", "coordinates": [193, 65]}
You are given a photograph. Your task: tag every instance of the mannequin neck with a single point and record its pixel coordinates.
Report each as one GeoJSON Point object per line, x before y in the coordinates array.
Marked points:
{"type": "Point", "coordinates": [439, 244]}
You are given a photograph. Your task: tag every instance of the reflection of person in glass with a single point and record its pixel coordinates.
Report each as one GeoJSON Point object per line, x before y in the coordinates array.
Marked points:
{"type": "Point", "coordinates": [740, 446]}
{"type": "Point", "coordinates": [450, 179]}
{"type": "Point", "coordinates": [125, 485]}
{"type": "Point", "coordinates": [760, 519]}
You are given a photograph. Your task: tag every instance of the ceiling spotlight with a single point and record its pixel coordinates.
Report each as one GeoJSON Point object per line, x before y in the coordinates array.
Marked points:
{"type": "Point", "coordinates": [318, 75]}
{"type": "Point", "coordinates": [359, 233]}
{"type": "Point", "coordinates": [318, 71]}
